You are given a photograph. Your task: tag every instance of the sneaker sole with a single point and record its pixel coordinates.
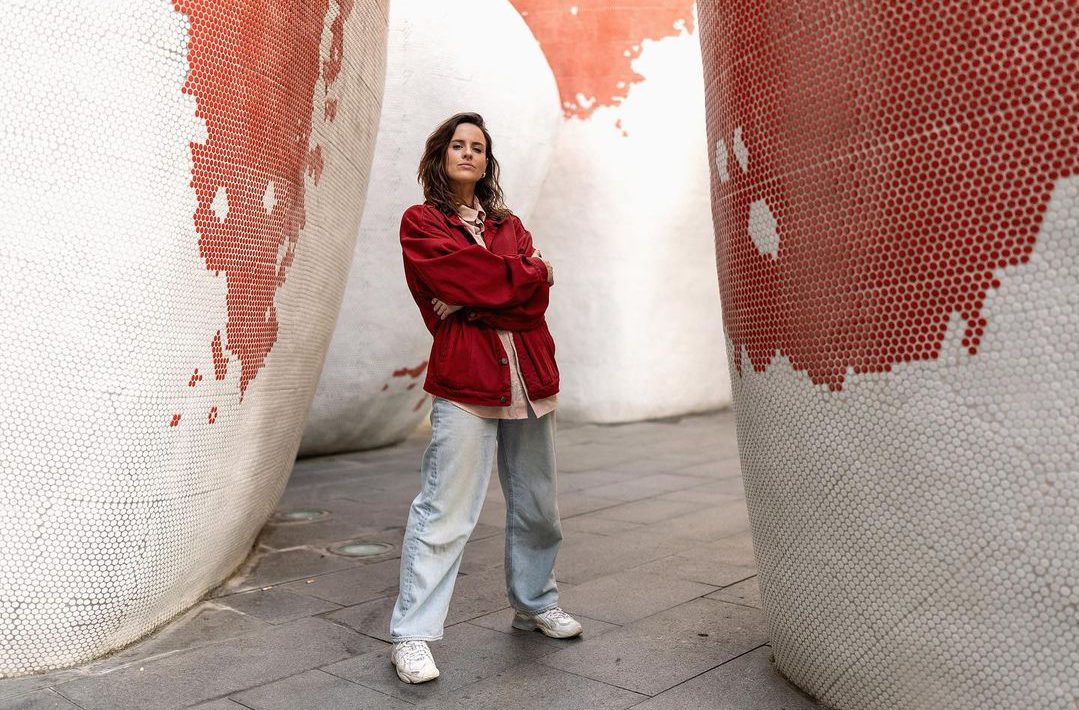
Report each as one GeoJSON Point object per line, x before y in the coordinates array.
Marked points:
{"type": "Point", "coordinates": [533, 626]}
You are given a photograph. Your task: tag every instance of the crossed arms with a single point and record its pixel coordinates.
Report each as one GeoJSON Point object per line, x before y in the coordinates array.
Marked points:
{"type": "Point", "coordinates": [506, 292]}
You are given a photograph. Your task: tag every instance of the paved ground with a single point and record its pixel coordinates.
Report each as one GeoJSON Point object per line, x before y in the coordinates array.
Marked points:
{"type": "Point", "coordinates": [656, 563]}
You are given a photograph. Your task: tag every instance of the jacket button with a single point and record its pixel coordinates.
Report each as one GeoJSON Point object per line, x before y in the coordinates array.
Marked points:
{"type": "Point", "coordinates": [504, 398]}
{"type": "Point", "coordinates": [505, 361]}
{"type": "Point", "coordinates": [472, 315]}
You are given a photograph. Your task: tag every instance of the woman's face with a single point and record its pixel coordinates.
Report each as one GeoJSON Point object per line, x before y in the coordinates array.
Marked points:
{"type": "Point", "coordinates": [466, 155]}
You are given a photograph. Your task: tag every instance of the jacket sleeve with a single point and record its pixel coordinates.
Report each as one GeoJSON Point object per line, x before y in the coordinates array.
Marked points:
{"type": "Point", "coordinates": [469, 276]}
{"type": "Point", "coordinates": [526, 315]}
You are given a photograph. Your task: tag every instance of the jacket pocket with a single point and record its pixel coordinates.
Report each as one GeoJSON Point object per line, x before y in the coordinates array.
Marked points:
{"type": "Point", "coordinates": [541, 348]}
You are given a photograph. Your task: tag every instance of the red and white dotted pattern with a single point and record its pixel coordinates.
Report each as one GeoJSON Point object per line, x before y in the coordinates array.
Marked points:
{"type": "Point", "coordinates": [181, 197]}
{"type": "Point", "coordinates": [896, 203]}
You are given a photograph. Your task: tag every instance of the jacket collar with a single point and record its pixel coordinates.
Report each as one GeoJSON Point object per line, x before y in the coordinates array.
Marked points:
{"type": "Point", "coordinates": [456, 219]}
{"type": "Point", "coordinates": [473, 212]}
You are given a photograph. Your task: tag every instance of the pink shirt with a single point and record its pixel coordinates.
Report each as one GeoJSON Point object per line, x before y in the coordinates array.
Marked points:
{"type": "Point", "coordinates": [518, 409]}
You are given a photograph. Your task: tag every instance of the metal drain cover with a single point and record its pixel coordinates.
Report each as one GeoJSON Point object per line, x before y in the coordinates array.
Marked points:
{"type": "Point", "coordinates": [298, 516]}
{"type": "Point", "coordinates": [360, 549]}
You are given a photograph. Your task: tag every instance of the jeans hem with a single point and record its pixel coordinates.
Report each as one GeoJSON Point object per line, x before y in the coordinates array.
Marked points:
{"type": "Point", "coordinates": [415, 638]}
{"type": "Point", "coordinates": [540, 611]}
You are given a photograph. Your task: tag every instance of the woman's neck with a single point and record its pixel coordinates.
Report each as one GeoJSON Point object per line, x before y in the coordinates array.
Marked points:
{"type": "Point", "coordinates": [465, 193]}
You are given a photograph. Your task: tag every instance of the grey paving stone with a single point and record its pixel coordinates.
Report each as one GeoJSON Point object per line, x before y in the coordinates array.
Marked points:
{"type": "Point", "coordinates": [10, 687]}
{"type": "Point", "coordinates": [477, 594]}
{"type": "Point", "coordinates": [348, 519]}
{"type": "Point", "coordinates": [591, 456]}
{"type": "Point", "coordinates": [695, 566]}
{"type": "Point", "coordinates": [649, 510]}
{"type": "Point", "coordinates": [371, 618]}
{"type": "Point", "coordinates": [627, 596]}
{"type": "Point", "coordinates": [272, 568]}
{"type": "Point", "coordinates": [569, 481]}
{"type": "Point", "coordinates": [731, 486]}
{"type": "Point", "coordinates": [686, 456]}
{"type": "Point", "coordinates": [487, 553]}
{"type": "Point", "coordinates": [277, 605]}
{"type": "Point", "coordinates": [493, 514]}
{"type": "Point", "coordinates": [598, 526]}
{"type": "Point", "coordinates": [535, 687]}
{"type": "Point", "coordinates": [482, 531]}
{"type": "Point", "coordinates": [663, 650]}
{"type": "Point", "coordinates": [667, 482]}
{"type": "Point", "coordinates": [38, 700]}
{"type": "Point", "coordinates": [747, 593]}
{"type": "Point", "coordinates": [464, 655]}
{"type": "Point", "coordinates": [316, 690]}
{"type": "Point", "coordinates": [698, 495]}
{"type": "Point", "coordinates": [206, 623]}
{"type": "Point", "coordinates": [645, 465]}
{"type": "Point", "coordinates": [213, 671]}
{"type": "Point", "coordinates": [628, 490]}
{"type": "Point", "coordinates": [576, 503]}
{"type": "Point", "coordinates": [502, 619]}
{"type": "Point", "coordinates": [746, 683]}
{"type": "Point", "coordinates": [734, 549]}
{"type": "Point", "coordinates": [219, 704]}
{"type": "Point", "coordinates": [724, 467]}
{"type": "Point", "coordinates": [354, 585]}
{"type": "Point", "coordinates": [584, 556]}
{"type": "Point", "coordinates": [707, 524]}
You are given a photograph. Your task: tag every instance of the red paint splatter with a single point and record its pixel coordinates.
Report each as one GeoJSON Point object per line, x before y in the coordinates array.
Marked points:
{"type": "Point", "coordinates": [213, 414]}
{"type": "Point", "coordinates": [315, 164]}
{"type": "Point", "coordinates": [385, 387]}
{"type": "Point", "coordinates": [195, 378]}
{"type": "Point", "coordinates": [175, 420]}
{"type": "Point", "coordinates": [331, 67]}
{"type": "Point", "coordinates": [331, 109]}
{"type": "Point", "coordinates": [221, 362]}
{"type": "Point", "coordinates": [906, 152]}
{"type": "Point", "coordinates": [412, 372]}
{"type": "Point", "coordinates": [419, 404]}
{"type": "Point", "coordinates": [590, 50]}
{"type": "Point", "coordinates": [254, 67]}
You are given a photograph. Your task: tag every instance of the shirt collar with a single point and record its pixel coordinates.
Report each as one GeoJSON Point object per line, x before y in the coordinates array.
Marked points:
{"type": "Point", "coordinates": [475, 213]}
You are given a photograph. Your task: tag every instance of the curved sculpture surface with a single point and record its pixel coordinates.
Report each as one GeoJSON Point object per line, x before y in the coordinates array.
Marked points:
{"type": "Point", "coordinates": [186, 184]}
{"type": "Point", "coordinates": [624, 213]}
{"type": "Point", "coordinates": [895, 199]}
{"type": "Point", "coordinates": [370, 392]}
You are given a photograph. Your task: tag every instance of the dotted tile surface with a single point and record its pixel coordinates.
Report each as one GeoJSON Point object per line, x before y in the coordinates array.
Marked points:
{"type": "Point", "coordinates": [895, 200]}
{"type": "Point", "coordinates": [183, 184]}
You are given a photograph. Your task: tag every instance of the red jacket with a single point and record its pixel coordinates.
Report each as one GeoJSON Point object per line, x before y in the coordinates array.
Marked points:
{"type": "Point", "coordinates": [500, 287]}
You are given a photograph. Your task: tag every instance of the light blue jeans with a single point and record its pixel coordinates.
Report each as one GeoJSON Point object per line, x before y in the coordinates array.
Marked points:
{"type": "Point", "coordinates": [455, 473]}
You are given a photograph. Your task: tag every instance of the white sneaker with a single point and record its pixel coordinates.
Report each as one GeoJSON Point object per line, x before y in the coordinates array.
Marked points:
{"type": "Point", "coordinates": [413, 661]}
{"type": "Point", "coordinates": [553, 622]}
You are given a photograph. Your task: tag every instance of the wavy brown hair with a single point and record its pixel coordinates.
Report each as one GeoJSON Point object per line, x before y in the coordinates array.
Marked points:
{"type": "Point", "coordinates": [431, 174]}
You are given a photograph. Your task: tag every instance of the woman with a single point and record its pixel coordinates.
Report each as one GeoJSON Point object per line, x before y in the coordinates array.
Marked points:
{"type": "Point", "coordinates": [482, 290]}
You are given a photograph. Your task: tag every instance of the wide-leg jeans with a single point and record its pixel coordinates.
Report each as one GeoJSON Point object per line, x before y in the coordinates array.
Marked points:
{"type": "Point", "coordinates": [455, 472]}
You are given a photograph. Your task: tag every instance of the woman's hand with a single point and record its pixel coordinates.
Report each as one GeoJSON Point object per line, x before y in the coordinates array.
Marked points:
{"type": "Point", "coordinates": [550, 268]}
{"type": "Point", "coordinates": [444, 310]}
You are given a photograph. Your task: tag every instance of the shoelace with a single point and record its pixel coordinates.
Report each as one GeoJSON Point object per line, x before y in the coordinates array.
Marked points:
{"type": "Point", "coordinates": [414, 651]}
{"type": "Point", "coordinates": [556, 615]}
